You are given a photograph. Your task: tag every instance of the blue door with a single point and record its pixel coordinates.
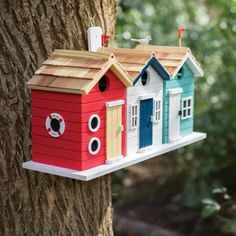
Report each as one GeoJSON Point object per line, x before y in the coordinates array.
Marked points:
{"type": "Point", "coordinates": [145, 132]}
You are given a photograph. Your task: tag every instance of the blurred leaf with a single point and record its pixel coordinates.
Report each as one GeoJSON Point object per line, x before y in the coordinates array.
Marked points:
{"type": "Point", "coordinates": [211, 207]}
{"type": "Point", "coordinates": [219, 190]}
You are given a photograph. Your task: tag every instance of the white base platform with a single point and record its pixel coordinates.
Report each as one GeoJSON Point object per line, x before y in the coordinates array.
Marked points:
{"type": "Point", "coordinates": [108, 168]}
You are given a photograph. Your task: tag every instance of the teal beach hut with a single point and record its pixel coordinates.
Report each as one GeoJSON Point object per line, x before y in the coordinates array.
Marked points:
{"type": "Point", "coordinates": [178, 91]}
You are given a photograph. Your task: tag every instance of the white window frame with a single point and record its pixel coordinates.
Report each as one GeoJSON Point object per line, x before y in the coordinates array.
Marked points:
{"type": "Point", "coordinates": [133, 116]}
{"type": "Point", "coordinates": [90, 124]}
{"type": "Point", "coordinates": [187, 111]}
{"type": "Point", "coordinates": [90, 146]}
{"type": "Point", "coordinates": [156, 111]}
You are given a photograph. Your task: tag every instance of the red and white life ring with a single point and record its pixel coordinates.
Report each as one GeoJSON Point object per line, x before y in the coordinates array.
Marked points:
{"type": "Point", "coordinates": [55, 125]}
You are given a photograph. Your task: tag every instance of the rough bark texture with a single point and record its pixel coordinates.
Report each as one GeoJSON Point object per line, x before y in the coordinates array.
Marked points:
{"type": "Point", "coordinates": [32, 203]}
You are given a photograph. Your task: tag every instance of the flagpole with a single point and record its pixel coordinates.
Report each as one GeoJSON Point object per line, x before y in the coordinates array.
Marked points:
{"type": "Point", "coordinates": [180, 33]}
{"type": "Point", "coordinates": [180, 45]}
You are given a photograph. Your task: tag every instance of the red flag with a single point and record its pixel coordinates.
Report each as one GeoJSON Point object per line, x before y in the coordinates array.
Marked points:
{"type": "Point", "coordinates": [180, 32]}
{"type": "Point", "coordinates": [105, 37]}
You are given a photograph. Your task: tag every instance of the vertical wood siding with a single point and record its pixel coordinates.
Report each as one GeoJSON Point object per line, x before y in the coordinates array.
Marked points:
{"type": "Point", "coordinates": [187, 84]}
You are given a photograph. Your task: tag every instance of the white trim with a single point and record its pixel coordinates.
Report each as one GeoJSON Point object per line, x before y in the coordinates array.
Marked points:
{"type": "Point", "coordinates": [90, 148]}
{"type": "Point", "coordinates": [145, 149]}
{"type": "Point", "coordinates": [175, 139]}
{"type": "Point", "coordinates": [194, 66]}
{"type": "Point", "coordinates": [187, 107]}
{"type": "Point", "coordinates": [114, 160]}
{"type": "Point", "coordinates": [115, 103]}
{"type": "Point", "coordinates": [156, 117]}
{"type": "Point", "coordinates": [90, 120]}
{"type": "Point", "coordinates": [133, 116]}
{"type": "Point", "coordinates": [174, 117]}
{"type": "Point", "coordinates": [146, 96]}
{"type": "Point", "coordinates": [175, 91]}
{"type": "Point", "coordinates": [189, 59]}
{"type": "Point", "coordinates": [124, 162]}
{"type": "Point", "coordinates": [49, 129]}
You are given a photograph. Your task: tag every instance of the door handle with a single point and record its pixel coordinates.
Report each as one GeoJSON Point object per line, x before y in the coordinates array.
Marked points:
{"type": "Point", "coordinates": [121, 128]}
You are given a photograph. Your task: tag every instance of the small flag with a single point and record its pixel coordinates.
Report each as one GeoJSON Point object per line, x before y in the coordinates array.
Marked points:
{"type": "Point", "coordinates": [105, 37]}
{"type": "Point", "coordinates": [180, 32]}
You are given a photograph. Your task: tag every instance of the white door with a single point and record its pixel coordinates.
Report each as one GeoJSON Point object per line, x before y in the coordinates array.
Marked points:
{"type": "Point", "coordinates": [174, 116]}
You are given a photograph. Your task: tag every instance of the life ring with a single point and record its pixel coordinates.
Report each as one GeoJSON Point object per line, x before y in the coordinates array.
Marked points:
{"type": "Point", "coordinates": [55, 125]}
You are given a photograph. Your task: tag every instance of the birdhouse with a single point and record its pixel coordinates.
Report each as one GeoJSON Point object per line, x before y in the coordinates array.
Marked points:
{"type": "Point", "coordinates": [97, 112]}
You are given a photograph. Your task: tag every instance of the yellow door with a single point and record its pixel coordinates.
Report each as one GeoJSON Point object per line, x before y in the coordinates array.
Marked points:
{"type": "Point", "coordinates": [114, 130]}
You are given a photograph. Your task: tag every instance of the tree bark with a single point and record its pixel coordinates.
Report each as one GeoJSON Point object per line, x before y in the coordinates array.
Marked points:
{"type": "Point", "coordinates": [32, 203]}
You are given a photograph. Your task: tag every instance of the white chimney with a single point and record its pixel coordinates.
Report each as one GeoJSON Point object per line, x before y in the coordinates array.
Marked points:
{"type": "Point", "coordinates": [94, 38]}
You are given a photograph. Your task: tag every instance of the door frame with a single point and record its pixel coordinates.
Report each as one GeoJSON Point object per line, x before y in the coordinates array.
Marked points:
{"type": "Point", "coordinates": [109, 105]}
{"type": "Point", "coordinates": [141, 98]}
{"type": "Point", "coordinates": [174, 116]}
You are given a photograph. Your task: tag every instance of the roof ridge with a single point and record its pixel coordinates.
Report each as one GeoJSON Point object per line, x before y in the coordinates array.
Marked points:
{"type": "Point", "coordinates": [80, 53]}
{"type": "Point", "coordinates": [126, 51]}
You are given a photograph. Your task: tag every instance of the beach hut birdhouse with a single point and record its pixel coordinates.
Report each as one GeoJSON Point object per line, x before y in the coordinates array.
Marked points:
{"type": "Point", "coordinates": [76, 97]}
{"type": "Point", "coordinates": [98, 111]}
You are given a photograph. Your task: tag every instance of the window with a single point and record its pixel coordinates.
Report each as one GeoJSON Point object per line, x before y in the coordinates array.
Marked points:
{"type": "Point", "coordinates": [55, 124]}
{"type": "Point", "coordinates": [94, 123]}
{"type": "Point", "coordinates": [94, 146]}
{"type": "Point", "coordinates": [156, 111]}
{"type": "Point", "coordinates": [180, 73]}
{"type": "Point", "coordinates": [103, 84]}
{"type": "Point", "coordinates": [145, 78]}
{"type": "Point", "coordinates": [187, 107]}
{"type": "Point", "coordinates": [134, 116]}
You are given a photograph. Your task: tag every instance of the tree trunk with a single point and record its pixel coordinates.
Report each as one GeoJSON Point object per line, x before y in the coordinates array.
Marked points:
{"type": "Point", "coordinates": [32, 203]}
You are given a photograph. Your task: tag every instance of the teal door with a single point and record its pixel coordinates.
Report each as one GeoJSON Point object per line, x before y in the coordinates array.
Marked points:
{"type": "Point", "coordinates": [145, 132]}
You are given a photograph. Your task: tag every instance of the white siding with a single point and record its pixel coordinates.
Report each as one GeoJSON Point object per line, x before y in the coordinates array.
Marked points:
{"type": "Point", "coordinates": [155, 89]}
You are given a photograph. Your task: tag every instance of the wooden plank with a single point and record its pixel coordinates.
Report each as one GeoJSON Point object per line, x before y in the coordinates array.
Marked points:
{"type": "Point", "coordinates": [119, 137]}
{"type": "Point", "coordinates": [70, 126]}
{"type": "Point", "coordinates": [58, 143]}
{"type": "Point", "coordinates": [93, 163]}
{"type": "Point", "coordinates": [67, 136]}
{"type": "Point", "coordinates": [130, 59]}
{"type": "Point", "coordinates": [68, 116]}
{"type": "Point", "coordinates": [81, 54]}
{"type": "Point", "coordinates": [171, 56]}
{"type": "Point", "coordinates": [56, 105]}
{"type": "Point", "coordinates": [57, 152]}
{"type": "Point", "coordinates": [170, 63]}
{"type": "Point", "coordinates": [113, 132]}
{"type": "Point", "coordinates": [56, 84]}
{"type": "Point", "coordinates": [59, 90]}
{"type": "Point", "coordinates": [119, 51]}
{"type": "Point", "coordinates": [166, 49]}
{"type": "Point", "coordinates": [112, 94]}
{"type": "Point", "coordinates": [56, 96]}
{"type": "Point", "coordinates": [75, 62]}
{"type": "Point", "coordinates": [55, 161]}
{"type": "Point", "coordinates": [72, 72]}
{"type": "Point", "coordinates": [108, 132]}
{"type": "Point", "coordinates": [41, 80]}
{"type": "Point", "coordinates": [132, 67]}
{"type": "Point", "coordinates": [78, 84]}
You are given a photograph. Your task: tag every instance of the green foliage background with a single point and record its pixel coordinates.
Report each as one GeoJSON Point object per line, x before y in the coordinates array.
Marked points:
{"type": "Point", "coordinates": [211, 35]}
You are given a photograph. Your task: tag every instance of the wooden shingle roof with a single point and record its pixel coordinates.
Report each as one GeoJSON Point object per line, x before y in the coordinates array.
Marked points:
{"type": "Point", "coordinates": [73, 71]}
{"type": "Point", "coordinates": [132, 60]}
{"type": "Point", "coordinates": [172, 58]}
